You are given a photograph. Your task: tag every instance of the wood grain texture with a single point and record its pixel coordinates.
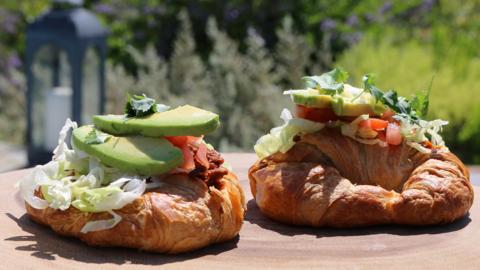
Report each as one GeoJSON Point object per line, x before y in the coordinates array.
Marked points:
{"type": "Point", "coordinates": [262, 244]}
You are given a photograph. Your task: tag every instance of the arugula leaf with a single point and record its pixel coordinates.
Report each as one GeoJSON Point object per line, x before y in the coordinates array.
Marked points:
{"type": "Point", "coordinates": [330, 83]}
{"type": "Point", "coordinates": [420, 101]}
{"type": "Point", "coordinates": [96, 137]}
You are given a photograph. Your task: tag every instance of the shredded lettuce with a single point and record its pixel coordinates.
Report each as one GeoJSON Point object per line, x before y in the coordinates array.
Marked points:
{"type": "Point", "coordinates": [114, 196]}
{"type": "Point", "coordinates": [74, 179]}
{"type": "Point", "coordinates": [422, 130]}
{"type": "Point", "coordinates": [280, 139]}
{"type": "Point", "coordinates": [419, 147]}
{"type": "Point", "coordinates": [99, 225]}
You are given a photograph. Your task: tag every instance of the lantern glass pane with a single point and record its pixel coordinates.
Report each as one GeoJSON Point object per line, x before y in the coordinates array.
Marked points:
{"type": "Point", "coordinates": [52, 96]}
{"type": "Point", "coordinates": [91, 85]}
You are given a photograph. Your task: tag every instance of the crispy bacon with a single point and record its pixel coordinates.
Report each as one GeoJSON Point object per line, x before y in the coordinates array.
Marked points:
{"type": "Point", "coordinates": [211, 172]}
{"type": "Point", "coordinates": [199, 161]}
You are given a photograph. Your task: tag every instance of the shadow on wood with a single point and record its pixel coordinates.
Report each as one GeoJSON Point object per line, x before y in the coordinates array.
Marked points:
{"type": "Point", "coordinates": [255, 216]}
{"type": "Point", "coordinates": [43, 243]}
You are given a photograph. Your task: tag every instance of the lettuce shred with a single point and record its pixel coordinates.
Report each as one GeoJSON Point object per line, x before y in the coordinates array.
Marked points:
{"type": "Point", "coordinates": [280, 139]}
{"type": "Point", "coordinates": [74, 179]}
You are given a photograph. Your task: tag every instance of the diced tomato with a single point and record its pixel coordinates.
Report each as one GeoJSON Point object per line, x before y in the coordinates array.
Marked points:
{"type": "Point", "coordinates": [393, 135]}
{"type": "Point", "coordinates": [202, 155]}
{"type": "Point", "coordinates": [183, 142]}
{"type": "Point", "coordinates": [374, 123]}
{"type": "Point", "coordinates": [388, 115]}
{"type": "Point", "coordinates": [316, 114]}
{"type": "Point", "coordinates": [188, 161]}
{"type": "Point", "coordinates": [179, 141]}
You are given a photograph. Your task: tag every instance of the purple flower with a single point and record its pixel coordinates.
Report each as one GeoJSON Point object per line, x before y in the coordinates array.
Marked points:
{"type": "Point", "coordinates": [386, 7]}
{"type": "Point", "coordinates": [427, 5]}
{"type": "Point", "coordinates": [370, 17]}
{"type": "Point", "coordinates": [328, 25]}
{"type": "Point", "coordinates": [352, 20]}
{"type": "Point", "coordinates": [14, 61]}
{"type": "Point", "coordinates": [104, 9]}
{"type": "Point", "coordinates": [9, 23]}
{"type": "Point", "coordinates": [352, 38]}
{"type": "Point", "coordinates": [154, 10]}
{"type": "Point", "coordinates": [231, 14]}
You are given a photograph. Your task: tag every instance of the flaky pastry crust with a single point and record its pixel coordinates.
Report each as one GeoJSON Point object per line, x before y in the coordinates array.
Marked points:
{"type": "Point", "coordinates": [183, 214]}
{"type": "Point", "coordinates": [329, 180]}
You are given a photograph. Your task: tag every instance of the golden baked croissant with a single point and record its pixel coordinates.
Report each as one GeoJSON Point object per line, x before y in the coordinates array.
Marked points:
{"type": "Point", "coordinates": [327, 179]}
{"type": "Point", "coordinates": [182, 214]}
{"type": "Point", "coordinates": [152, 183]}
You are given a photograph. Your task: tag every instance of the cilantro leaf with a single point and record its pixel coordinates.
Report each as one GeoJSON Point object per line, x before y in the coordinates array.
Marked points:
{"type": "Point", "coordinates": [403, 106]}
{"type": "Point", "coordinates": [330, 83]}
{"type": "Point", "coordinates": [390, 98]}
{"type": "Point", "coordinates": [369, 86]}
{"type": "Point", "coordinates": [138, 106]}
{"type": "Point", "coordinates": [96, 137]}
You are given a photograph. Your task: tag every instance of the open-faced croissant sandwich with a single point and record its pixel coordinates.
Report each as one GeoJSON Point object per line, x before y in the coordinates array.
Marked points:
{"type": "Point", "coordinates": [354, 157]}
{"type": "Point", "coordinates": [145, 180]}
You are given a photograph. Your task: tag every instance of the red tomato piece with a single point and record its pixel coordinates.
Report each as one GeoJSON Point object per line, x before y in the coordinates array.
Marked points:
{"type": "Point", "coordinates": [188, 161]}
{"type": "Point", "coordinates": [178, 141]}
{"type": "Point", "coordinates": [316, 114]}
{"type": "Point", "coordinates": [374, 123]}
{"type": "Point", "coordinates": [393, 135]}
{"type": "Point", "coordinates": [388, 115]}
{"type": "Point", "coordinates": [183, 142]}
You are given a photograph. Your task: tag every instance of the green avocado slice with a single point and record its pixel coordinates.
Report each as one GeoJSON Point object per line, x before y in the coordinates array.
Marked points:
{"type": "Point", "coordinates": [311, 99]}
{"type": "Point", "coordinates": [184, 120]}
{"type": "Point", "coordinates": [136, 154]}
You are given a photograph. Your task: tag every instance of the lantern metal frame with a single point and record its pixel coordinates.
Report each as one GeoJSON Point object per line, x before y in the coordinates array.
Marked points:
{"type": "Point", "coordinates": [73, 30]}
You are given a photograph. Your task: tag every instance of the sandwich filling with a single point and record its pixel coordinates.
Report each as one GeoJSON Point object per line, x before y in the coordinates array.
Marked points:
{"type": "Point", "coordinates": [367, 115]}
{"type": "Point", "coordinates": [95, 182]}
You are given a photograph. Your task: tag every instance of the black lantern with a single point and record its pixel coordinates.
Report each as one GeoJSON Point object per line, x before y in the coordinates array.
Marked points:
{"type": "Point", "coordinates": [65, 66]}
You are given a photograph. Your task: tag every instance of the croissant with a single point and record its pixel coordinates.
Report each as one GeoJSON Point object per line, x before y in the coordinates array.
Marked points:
{"type": "Point", "coordinates": [330, 180]}
{"type": "Point", "coordinates": [181, 215]}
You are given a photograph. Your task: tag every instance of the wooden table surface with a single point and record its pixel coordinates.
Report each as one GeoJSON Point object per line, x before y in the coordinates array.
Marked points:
{"type": "Point", "coordinates": [262, 244]}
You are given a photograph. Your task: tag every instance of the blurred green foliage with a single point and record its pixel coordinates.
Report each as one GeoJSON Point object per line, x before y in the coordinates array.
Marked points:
{"type": "Point", "coordinates": [235, 57]}
{"type": "Point", "coordinates": [409, 68]}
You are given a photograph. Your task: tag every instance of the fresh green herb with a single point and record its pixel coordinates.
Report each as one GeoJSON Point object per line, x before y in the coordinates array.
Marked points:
{"type": "Point", "coordinates": [141, 105]}
{"type": "Point", "coordinates": [412, 110]}
{"type": "Point", "coordinates": [96, 137]}
{"type": "Point", "coordinates": [420, 102]}
{"type": "Point", "coordinates": [329, 83]}
{"type": "Point", "coordinates": [138, 106]}
{"type": "Point", "coordinates": [369, 86]}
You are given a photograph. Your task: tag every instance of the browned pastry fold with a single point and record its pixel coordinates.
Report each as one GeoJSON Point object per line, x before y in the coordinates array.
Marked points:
{"type": "Point", "coordinates": [330, 180]}
{"type": "Point", "coordinates": [181, 215]}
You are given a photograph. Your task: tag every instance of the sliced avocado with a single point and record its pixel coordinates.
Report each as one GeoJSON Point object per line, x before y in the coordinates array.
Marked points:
{"type": "Point", "coordinates": [136, 154]}
{"type": "Point", "coordinates": [310, 98]}
{"type": "Point", "coordinates": [184, 120]}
